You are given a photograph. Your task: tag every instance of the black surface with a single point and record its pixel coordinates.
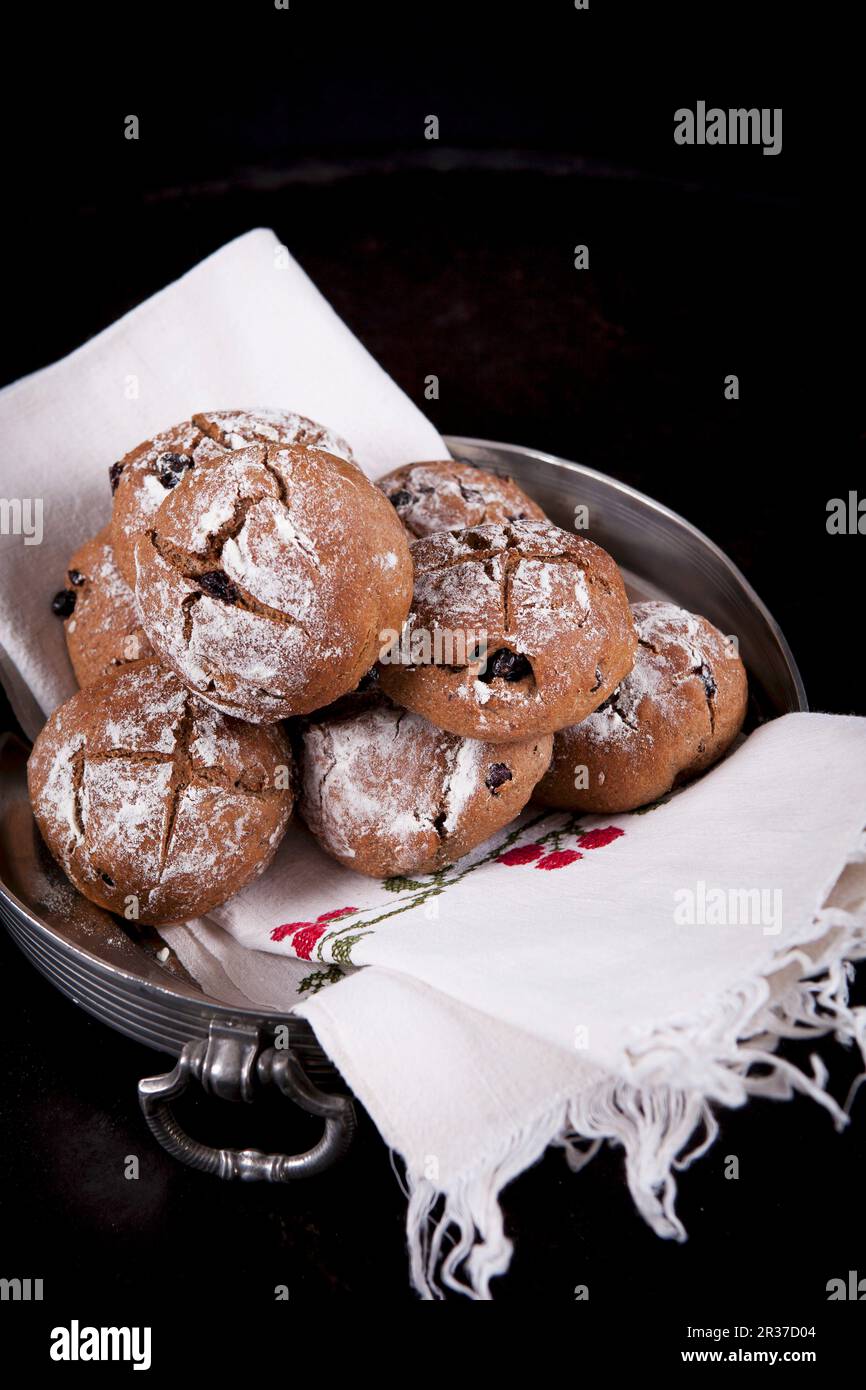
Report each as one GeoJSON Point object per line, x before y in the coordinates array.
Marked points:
{"type": "Point", "coordinates": [457, 260]}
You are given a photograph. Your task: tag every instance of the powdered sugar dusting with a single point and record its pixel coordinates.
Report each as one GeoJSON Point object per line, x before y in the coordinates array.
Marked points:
{"type": "Point", "coordinates": [672, 646]}
{"type": "Point", "coordinates": [255, 650]}
{"type": "Point", "coordinates": [480, 689]}
{"type": "Point", "coordinates": [286, 427]}
{"type": "Point", "coordinates": [142, 490]}
{"type": "Point", "coordinates": [618, 716]}
{"type": "Point", "coordinates": [141, 793]}
{"type": "Point", "coordinates": [59, 793]}
{"type": "Point", "coordinates": [465, 765]}
{"type": "Point", "coordinates": [659, 623]}
{"type": "Point", "coordinates": [388, 793]}
{"type": "Point", "coordinates": [214, 741]}
{"type": "Point", "coordinates": [142, 466]}
{"type": "Point", "coordinates": [123, 804]}
{"type": "Point", "coordinates": [448, 496]}
{"type": "Point", "coordinates": [356, 783]}
{"type": "Point", "coordinates": [532, 590]}
{"type": "Point", "coordinates": [275, 562]}
{"type": "Point", "coordinates": [292, 607]}
{"type": "Point", "coordinates": [104, 632]}
{"type": "Point", "coordinates": [387, 779]}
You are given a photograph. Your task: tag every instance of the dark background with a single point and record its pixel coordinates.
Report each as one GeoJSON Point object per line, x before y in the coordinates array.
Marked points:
{"type": "Point", "coordinates": [455, 258]}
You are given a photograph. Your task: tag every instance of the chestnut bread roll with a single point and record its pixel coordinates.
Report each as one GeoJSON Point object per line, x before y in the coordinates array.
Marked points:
{"type": "Point", "coordinates": [554, 614]}
{"type": "Point", "coordinates": [673, 716]}
{"type": "Point", "coordinates": [100, 620]}
{"type": "Point", "coordinates": [156, 806]}
{"type": "Point", "coordinates": [449, 496]}
{"type": "Point", "coordinates": [141, 479]}
{"type": "Point", "coordinates": [385, 792]}
{"type": "Point", "coordinates": [266, 579]}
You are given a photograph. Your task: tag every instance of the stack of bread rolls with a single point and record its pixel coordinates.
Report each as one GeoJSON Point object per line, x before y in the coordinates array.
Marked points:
{"type": "Point", "coordinates": [260, 627]}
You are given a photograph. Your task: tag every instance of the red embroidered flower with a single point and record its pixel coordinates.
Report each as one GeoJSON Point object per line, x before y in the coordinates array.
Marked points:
{"type": "Point", "coordinates": [558, 859]}
{"type": "Point", "coordinates": [306, 939]}
{"type": "Point", "coordinates": [597, 839]}
{"type": "Point", "coordinates": [524, 854]}
{"type": "Point", "coordinates": [280, 933]}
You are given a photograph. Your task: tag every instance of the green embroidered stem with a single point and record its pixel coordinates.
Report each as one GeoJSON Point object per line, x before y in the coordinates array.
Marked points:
{"type": "Point", "coordinates": [343, 947]}
{"type": "Point", "coordinates": [398, 884]}
{"type": "Point", "coordinates": [319, 978]}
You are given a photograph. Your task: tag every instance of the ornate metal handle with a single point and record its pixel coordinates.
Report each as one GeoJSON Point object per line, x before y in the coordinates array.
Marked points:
{"type": "Point", "coordinates": [228, 1064]}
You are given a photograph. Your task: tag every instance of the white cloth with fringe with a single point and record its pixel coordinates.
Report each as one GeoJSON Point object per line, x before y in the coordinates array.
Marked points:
{"type": "Point", "coordinates": [618, 997]}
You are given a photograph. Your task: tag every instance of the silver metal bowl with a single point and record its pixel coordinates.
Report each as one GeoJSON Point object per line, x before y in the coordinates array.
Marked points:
{"type": "Point", "coordinates": [233, 1052]}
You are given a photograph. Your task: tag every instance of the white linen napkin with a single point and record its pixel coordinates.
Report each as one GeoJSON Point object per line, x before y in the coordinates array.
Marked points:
{"type": "Point", "coordinates": [246, 327]}
{"type": "Point", "coordinates": [570, 981]}
{"type": "Point", "coordinates": [577, 980]}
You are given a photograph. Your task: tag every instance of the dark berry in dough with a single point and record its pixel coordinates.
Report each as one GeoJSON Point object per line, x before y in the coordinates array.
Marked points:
{"type": "Point", "coordinates": [171, 466]}
{"type": "Point", "coordinates": [508, 666]}
{"type": "Point", "coordinates": [63, 603]}
{"type": "Point", "coordinates": [498, 774]}
{"type": "Point", "coordinates": [218, 585]}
